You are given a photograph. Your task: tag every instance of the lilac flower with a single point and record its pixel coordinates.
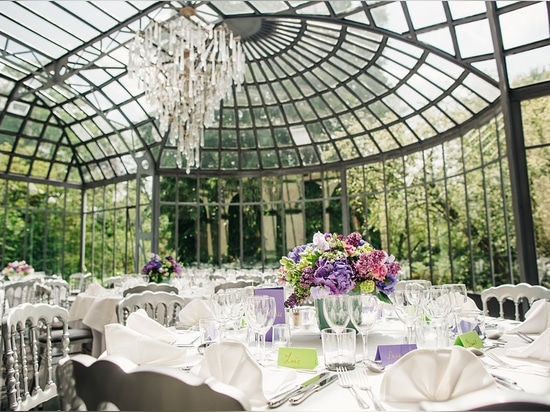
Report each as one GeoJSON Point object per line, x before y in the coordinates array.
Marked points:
{"type": "Point", "coordinates": [334, 265]}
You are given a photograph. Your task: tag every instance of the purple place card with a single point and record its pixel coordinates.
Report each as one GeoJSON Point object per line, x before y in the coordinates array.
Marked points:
{"type": "Point", "coordinates": [279, 295]}
{"type": "Point", "coordinates": [388, 354]}
{"type": "Point", "coordinates": [467, 326]}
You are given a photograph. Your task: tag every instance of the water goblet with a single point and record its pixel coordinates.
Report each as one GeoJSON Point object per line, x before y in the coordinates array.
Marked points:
{"type": "Point", "coordinates": [407, 312]}
{"type": "Point", "coordinates": [458, 296]}
{"type": "Point", "coordinates": [220, 304]}
{"type": "Point", "coordinates": [335, 309]}
{"type": "Point", "coordinates": [363, 310]}
{"type": "Point", "coordinates": [260, 313]}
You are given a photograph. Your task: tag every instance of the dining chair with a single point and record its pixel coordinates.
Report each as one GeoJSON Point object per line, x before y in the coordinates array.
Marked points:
{"type": "Point", "coordinates": [112, 281]}
{"type": "Point", "coordinates": [78, 282]}
{"type": "Point", "coordinates": [16, 293]}
{"type": "Point", "coordinates": [233, 285]}
{"type": "Point", "coordinates": [154, 287]}
{"type": "Point", "coordinates": [28, 353]}
{"type": "Point", "coordinates": [86, 383]}
{"type": "Point", "coordinates": [53, 291]}
{"type": "Point", "coordinates": [162, 306]}
{"type": "Point", "coordinates": [519, 294]}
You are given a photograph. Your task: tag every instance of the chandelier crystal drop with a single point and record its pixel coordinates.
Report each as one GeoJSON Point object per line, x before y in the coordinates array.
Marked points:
{"type": "Point", "coordinates": [186, 69]}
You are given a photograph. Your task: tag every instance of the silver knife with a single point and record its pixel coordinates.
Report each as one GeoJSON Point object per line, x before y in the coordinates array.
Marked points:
{"type": "Point", "coordinates": [299, 398]}
{"type": "Point", "coordinates": [526, 338]}
{"type": "Point", "coordinates": [281, 398]}
{"type": "Point", "coordinates": [507, 382]}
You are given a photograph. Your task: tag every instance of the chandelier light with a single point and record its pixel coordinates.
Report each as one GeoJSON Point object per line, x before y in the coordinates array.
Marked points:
{"type": "Point", "coordinates": [186, 68]}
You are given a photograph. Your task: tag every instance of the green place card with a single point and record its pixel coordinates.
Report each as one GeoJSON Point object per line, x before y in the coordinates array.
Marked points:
{"type": "Point", "coordinates": [298, 358]}
{"type": "Point", "coordinates": [468, 340]}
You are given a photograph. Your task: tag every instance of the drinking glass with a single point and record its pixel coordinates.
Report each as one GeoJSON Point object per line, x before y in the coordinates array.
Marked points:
{"type": "Point", "coordinates": [458, 296]}
{"type": "Point", "coordinates": [363, 310]}
{"type": "Point", "coordinates": [335, 309]}
{"type": "Point", "coordinates": [220, 303]}
{"type": "Point", "coordinates": [260, 312]}
{"type": "Point", "coordinates": [417, 291]}
{"type": "Point", "coordinates": [436, 313]}
{"type": "Point", "coordinates": [407, 312]}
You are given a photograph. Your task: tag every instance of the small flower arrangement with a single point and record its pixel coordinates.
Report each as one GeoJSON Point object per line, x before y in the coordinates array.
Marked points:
{"type": "Point", "coordinates": [159, 268]}
{"type": "Point", "coordinates": [334, 265]}
{"type": "Point", "coordinates": [20, 268]}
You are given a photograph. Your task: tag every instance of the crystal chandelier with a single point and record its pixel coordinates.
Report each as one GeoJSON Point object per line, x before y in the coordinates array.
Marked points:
{"type": "Point", "coordinates": [186, 68]}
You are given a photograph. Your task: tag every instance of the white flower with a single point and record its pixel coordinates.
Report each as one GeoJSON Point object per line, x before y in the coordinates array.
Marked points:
{"type": "Point", "coordinates": [320, 242]}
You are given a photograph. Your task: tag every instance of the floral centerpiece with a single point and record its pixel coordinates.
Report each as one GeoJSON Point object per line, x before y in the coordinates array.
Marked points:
{"type": "Point", "coordinates": [334, 265]}
{"type": "Point", "coordinates": [159, 268]}
{"type": "Point", "coordinates": [20, 268]}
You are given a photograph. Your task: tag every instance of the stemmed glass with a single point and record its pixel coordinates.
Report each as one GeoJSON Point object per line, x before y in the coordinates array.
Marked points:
{"type": "Point", "coordinates": [437, 311]}
{"type": "Point", "coordinates": [407, 312]}
{"type": "Point", "coordinates": [363, 310]}
{"type": "Point", "coordinates": [335, 310]}
{"type": "Point", "coordinates": [220, 303]}
{"type": "Point", "coordinates": [260, 312]}
{"type": "Point", "coordinates": [458, 296]}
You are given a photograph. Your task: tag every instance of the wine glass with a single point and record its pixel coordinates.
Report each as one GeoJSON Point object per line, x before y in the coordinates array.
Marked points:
{"type": "Point", "coordinates": [437, 311]}
{"type": "Point", "coordinates": [260, 312]}
{"type": "Point", "coordinates": [407, 312]}
{"type": "Point", "coordinates": [363, 310]}
{"type": "Point", "coordinates": [458, 296]}
{"type": "Point", "coordinates": [220, 303]}
{"type": "Point", "coordinates": [335, 309]}
{"type": "Point", "coordinates": [417, 291]}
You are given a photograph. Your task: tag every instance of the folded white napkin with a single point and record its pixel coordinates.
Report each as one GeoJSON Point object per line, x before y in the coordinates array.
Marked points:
{"type": "Point", "coordinates": [95, 289]}
{"type": "Point", "coordinates": [195, 310]}
{"type": "Point", "coordinates": [537, 318]}
{"type": "Point", "coordinates": [538, 349]}
{"type": "Point", "coordinates": [470, 305]}
{"type": "Point", "coordinates": [230, 362]}
{"type": "Point", "coordinates": [142, 323]}
{"type": "Point", "coordinates": [141, 349]}
{"type": "Point", "coordinates": [434, 375]}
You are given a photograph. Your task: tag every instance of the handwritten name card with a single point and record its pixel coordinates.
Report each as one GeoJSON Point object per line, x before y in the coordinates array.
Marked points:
{"type": "Point", "coordinates": [388, 354]}
{"type": "Point", "coordinates": [298, 358]}
{"type": "Point", "coordinates": [469, 339]}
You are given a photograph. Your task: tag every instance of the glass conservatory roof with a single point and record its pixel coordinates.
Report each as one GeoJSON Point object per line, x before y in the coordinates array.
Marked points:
{"type": "Point", "coordinates": [327, 83]}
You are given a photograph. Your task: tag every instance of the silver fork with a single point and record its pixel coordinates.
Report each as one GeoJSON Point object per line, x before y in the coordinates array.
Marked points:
{"type": "Point", "coordinates": [363, 384]}
{"type": "Point", "coordinates": [344, 380]}
{"type": "Point", "coordinates": [532, 369]}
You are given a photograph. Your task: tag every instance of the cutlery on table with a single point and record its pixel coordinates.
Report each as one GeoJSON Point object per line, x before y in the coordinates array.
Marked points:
{"type": "Point", "coordinates": [506, 382]}
{"type": "Point", "coordinates": [282, 397]}
{"type": "Point", "coordinates": [525, 337]}
{"type": "Point", "coordinates": [364, 385]}
{"type": "Point", "coordinates": [344, 379]}
{"type": "Point", "coordinates": [295, 400]}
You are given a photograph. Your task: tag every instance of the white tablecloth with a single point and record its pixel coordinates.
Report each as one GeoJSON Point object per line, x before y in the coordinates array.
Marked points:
{"type": "Point", "coordinates": [95, 312]}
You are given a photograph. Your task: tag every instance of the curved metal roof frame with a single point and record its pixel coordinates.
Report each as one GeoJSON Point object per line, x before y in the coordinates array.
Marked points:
{"type": "Point", "coordinates": [327, 83]}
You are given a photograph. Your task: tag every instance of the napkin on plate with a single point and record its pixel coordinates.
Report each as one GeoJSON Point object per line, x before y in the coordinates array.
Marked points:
{"type": "Point", "coordinates": [231, 363]}
{"type": "Point", "coordinates": [538, 349]}
{"type": "Point", "coordinates": [141, 349]}
{"type": "Point", "coordinates": [195, 310]}
{"type": "Point", "coordinates": [142, 323]}
{"type": "Point", "coordinates": [537, 318]}
{"type": "Point", "coordinates": [434, 375]}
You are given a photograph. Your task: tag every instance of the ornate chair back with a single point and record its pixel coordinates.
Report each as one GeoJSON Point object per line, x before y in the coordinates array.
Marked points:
{"type": "Point", "coordinates": [164, 307]}
{"type": "Point", "coordinates": [28, 359]}
{"type": "Point", "coordinates": [522, 292]}
{"type": "Point", "coordinates": [86, 383]}
{"type": "Point", "coordinates": [22, 291]}
{"type": "Point", "coordinates": [153, 287]}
